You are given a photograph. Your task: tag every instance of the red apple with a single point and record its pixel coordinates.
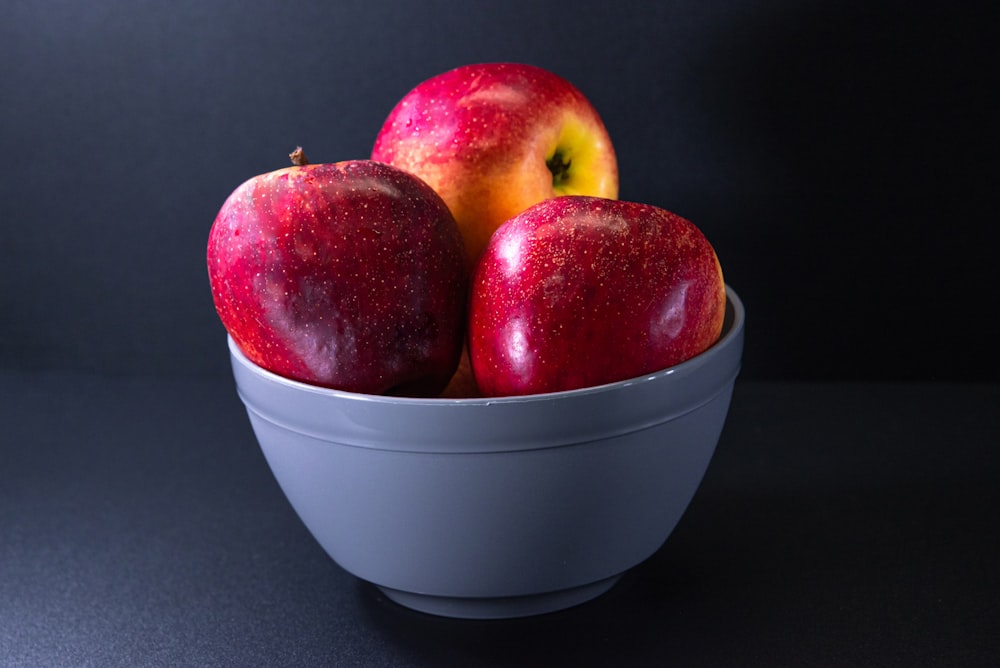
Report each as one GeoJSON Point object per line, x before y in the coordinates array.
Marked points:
{"type": "Point", "coordinates": [494, 138]}
{"type": "Point", "coordinates": [582, 291]}
{"type": "Point", "coordinates": [349, 275]}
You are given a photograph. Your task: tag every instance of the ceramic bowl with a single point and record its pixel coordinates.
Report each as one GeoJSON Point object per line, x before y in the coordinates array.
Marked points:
{"type": "Point", "coordinates": [499, 507]}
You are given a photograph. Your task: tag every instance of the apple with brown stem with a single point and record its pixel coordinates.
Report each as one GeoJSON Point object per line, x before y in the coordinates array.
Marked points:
{"type": "Point", "coordinates": [348, 275]}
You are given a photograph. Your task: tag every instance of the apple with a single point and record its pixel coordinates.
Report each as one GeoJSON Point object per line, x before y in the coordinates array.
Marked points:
{"type": "Point", "coordinates": [494, 138]}
{"type": "Point", "coordinates": [463, 383]}
{"type": "Point", "coordinates": [580, 291]}
{"type": "Point", "coordinates": [348, 275]}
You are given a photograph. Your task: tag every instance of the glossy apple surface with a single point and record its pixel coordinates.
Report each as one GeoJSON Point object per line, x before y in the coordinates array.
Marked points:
{"type": "Point", "coordinates": [494, 138]}
{"type": "Point", "coordinates": [349, 275]}
{"type": "Point", "coordinates": [581, 291]}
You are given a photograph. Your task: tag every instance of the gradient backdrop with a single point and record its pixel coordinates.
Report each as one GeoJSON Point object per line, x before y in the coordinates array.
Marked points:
{"type": "Point", "coordinates": [841, 156]}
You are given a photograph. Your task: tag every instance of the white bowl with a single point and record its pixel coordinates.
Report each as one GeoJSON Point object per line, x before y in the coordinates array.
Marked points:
{"type": "Point", "coordinates": [497, 507]}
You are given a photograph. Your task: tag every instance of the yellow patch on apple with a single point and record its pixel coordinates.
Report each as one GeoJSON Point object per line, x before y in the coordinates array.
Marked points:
{"type": "Point", "coordinates": [577, 161]}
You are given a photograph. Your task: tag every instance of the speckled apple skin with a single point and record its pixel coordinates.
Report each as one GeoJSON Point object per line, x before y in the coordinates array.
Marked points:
{"type": "Point", "coordinates": [582, 291]}
{"type": "Point", "coordinates": [480, 135]}
{"type": "Point", "coordinates": [349, 275]}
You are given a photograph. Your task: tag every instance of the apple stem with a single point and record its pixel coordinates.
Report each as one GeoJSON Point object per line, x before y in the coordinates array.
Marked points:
{"type": "Point", "coordinates": [298, 157]}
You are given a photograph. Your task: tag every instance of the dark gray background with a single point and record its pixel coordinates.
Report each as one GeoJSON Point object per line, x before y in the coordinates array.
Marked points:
{"type": "Point", "coordinates": [841, 156]}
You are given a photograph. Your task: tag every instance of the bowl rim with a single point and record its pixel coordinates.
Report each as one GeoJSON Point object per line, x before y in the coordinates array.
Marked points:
{"type": "Point", "coordinates": [732, 330]}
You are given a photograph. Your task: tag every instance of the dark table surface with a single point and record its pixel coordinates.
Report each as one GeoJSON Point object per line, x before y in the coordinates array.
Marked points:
{"type": "Point", "coordinates": [840, 524]}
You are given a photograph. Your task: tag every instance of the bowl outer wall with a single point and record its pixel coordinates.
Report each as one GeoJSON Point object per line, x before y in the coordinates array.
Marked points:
{"type": "Point", "coordinates": [501, 522]}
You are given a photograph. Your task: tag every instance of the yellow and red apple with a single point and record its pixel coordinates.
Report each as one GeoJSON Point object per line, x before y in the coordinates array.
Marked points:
{"type": "Point", "coordinates": [495, 138]}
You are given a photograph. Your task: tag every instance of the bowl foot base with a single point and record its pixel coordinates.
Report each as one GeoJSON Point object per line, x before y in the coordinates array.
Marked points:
{"type": "Point", "coordinates": [500, 607]}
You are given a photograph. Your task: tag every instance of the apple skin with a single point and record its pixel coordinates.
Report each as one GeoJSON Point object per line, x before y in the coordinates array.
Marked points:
{"type": "Point", "coordinates": [463, 384]}
{"type": "Point", "coordinates": [487, 138]}
{"type": "Point", "coordinates": [348, 275]}
{"type": "Point", "coordinates": [581, 291]}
